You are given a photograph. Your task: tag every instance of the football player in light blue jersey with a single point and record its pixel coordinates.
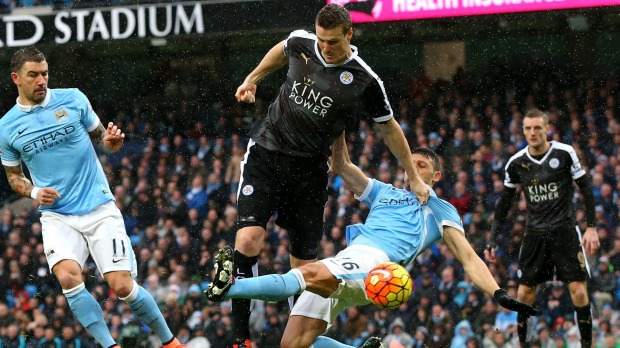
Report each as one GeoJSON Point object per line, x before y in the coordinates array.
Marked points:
{"type": "Point", "coordinates": [51, 131]}
{"type": "Point", "coordinates": [397, 229]}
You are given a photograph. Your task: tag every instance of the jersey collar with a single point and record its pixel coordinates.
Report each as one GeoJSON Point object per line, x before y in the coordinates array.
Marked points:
{"type": "Point", "coordinates": [318, 54]}
{"type": "Point", "coordinates": [30, 108]}
{"type": "Point", "coordinates": [542, 160]}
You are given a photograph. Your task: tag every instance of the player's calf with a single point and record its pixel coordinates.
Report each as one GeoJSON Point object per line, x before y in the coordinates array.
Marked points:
{"type": "Point", "coordinates": [223, 275]}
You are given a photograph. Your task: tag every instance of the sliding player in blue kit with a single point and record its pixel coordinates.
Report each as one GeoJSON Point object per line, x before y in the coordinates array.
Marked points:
{"type": "Point", "coordinates": [398, 228]}
{"type": "Point", "coordinates": [51, 131]}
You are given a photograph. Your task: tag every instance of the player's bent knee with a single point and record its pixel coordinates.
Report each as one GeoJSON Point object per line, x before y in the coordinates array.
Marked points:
{"type": "Point", "coordinates": [249, 240]}
{"type": "Point", "coordinates": [579, 294]}
{"type": "Point", "coordinates": [314, 272]}
{"type": "Point", "coordinates": [319, 279]}
{"type": "Point", "coordinates": [68, 273]}
{"type": "Point", "coordinates": [121, 282]}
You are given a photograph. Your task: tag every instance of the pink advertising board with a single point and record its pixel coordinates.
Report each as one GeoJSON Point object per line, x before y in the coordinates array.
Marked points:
{"type": "Point", "coordinates": [394, 10]}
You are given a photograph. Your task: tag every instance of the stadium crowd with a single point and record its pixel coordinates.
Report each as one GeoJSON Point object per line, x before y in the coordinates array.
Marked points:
{"type": "Point", "coordinates": [176, 179]}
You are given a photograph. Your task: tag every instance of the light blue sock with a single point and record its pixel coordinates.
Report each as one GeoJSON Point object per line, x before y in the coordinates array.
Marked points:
{"type": "Point", "coordinates": [326, 342]}
{"type": "Point", "coordinates": [145, 307]}
{"type": "Point", "coordinates": [89, 314]}
{"type": "Point", "coordinates": [271, 287]}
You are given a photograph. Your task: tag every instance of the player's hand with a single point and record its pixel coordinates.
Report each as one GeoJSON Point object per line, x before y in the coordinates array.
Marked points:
{"type": "Point", "coordinates": [489, 251]}
{"type": "Point", "coordinates": [501, 296]}
{"type": "Point", "coordinates": [489, 254]}
{"type": "Point", "coordinates": [417, 186]}
{"type": "Point", "coordinates": [47, 196]}
{"type": "Point", "coordinates": [246, 92]}
{"type": "Point", "coordinates": [590, 241]}
{"type": "Point", "coordinates": [113, 138]}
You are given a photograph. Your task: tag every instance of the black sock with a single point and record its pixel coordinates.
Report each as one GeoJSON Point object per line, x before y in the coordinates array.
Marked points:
{"type": "Point", "coordinates": [584, 322]}
{"type": "Point", "coordinates": [522, 329]}
{"type": "Point", "coordinates": [241, 307]}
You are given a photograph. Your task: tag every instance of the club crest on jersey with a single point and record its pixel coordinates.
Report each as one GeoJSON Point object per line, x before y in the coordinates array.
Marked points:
{"type": "Point", "coordinates": [61, 115]}
{"type": "Point", "coordinates": [346, 77]}
{"type": "Point", "coordinates": [247, 190]}
{"type": "Point", "coordinates": [554, 163]}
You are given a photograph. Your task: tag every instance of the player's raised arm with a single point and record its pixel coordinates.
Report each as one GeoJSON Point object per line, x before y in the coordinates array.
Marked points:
{"type": "Point", "coordinates": [273, 60]}
{"type": "Point", "coordinates": [341, 164]}
{"type": "Point", "coordinates": [110, 139]}
{"type": "Point", "coordinates": [479, 273]}
{"type": "Point", "coordinates": [395, 139]}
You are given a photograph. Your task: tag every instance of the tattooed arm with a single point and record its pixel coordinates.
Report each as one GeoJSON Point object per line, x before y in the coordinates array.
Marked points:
{"type": "Point", "coordinates": [20, 184]}
{"type": "Point", "coordinates": [110, 139]}
{"type": "Point", "coordinates": [18, 181]}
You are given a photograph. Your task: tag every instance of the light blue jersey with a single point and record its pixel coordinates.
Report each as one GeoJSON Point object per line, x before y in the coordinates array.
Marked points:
{"type": "Point", "coordinates": [52, 139]}
{"type": "Point", "coordinates": [398, 224]}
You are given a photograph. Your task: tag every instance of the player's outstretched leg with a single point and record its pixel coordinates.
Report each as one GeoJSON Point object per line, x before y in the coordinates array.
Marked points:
{"type": "Point", "coordinates": [223, 275]}
{"type": "Point", "coordinates": [326, 342]}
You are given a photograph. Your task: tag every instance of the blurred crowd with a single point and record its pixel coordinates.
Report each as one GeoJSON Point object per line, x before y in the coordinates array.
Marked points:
{"type": "Point", "coordinates": [176, 178]}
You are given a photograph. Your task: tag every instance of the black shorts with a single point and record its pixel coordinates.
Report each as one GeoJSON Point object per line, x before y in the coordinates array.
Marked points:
{"type": "Point", "coordinates": [555, 252]}
{"type": "Point", "coordinates": [293, 188]}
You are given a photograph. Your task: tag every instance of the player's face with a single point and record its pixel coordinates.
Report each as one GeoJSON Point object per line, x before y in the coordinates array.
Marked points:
{"type": "Point", "coordinates": [426, 171]}
{"type": "Point", "coordinates": [535, 131]}
{"type": "Point", "coordinates": [335, 46]}
{"type": "Point", "coordinates": [31, 81]}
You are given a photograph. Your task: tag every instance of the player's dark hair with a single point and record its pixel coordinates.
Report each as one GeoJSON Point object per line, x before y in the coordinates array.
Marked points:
{"type": "Point", "coordinates": [430, 154]}
{"type": "Point", "coordinates": [533, 113]}
{"type": "Point", "coordinates": [26, 54]}
{"type": "Point", "coordinates": [332, 16]}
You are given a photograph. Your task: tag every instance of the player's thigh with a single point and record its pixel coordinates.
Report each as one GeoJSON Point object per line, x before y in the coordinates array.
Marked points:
{"type": "Point", "coordinates": [535, 263]}
{"type": "Point", "coordinates": [303, 208]}
{"type": "Point", "coordinates": [258, 193]}
{"type": "Point", "coordinates": [319, 308]}
{"type": "Point", "coordinates": [301, 331]}
{"type": "Point", "coordinates": [351, 267]}
{"type": "Point", "coordinates": [61, 240]}
{"type": "Point", "coordinates": [568, 255]}
{"type": "Point", "coordinates": [318, 278]}
{"type": "Point", "coordinates": [110, 246]}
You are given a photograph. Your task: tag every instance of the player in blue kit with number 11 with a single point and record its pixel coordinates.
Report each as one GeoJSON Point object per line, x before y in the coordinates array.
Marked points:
{"type": "Point", "coordinates": [51, 131]}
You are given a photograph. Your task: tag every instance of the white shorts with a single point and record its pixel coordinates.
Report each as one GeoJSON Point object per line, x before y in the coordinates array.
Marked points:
{"type": "Point", "coordinates": [351, 266]}
{"type": "Point", "coordinates": [99, 233]}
